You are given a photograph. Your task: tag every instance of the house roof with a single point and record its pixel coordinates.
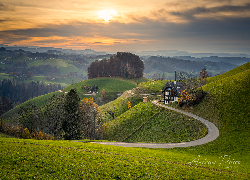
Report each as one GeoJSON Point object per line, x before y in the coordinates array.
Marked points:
{"type": "Point", "coordinates": [177, 88]}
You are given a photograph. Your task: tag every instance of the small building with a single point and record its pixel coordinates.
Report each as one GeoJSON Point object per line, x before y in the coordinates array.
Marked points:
{"type": "Point", "coordinates": [172, 91]}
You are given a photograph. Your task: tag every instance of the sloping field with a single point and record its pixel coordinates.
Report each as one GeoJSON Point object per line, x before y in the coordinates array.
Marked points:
{"type": "Point", "coordinates": [146, 122]}
{"type": "Point", "coordinates": [63, 66]}
{"type": "Point", "coordinates": [112, 87]}
{"type": "Point", "coordinates": [38, 101]}
{"type": "Point", "coordinates": [227, 106]}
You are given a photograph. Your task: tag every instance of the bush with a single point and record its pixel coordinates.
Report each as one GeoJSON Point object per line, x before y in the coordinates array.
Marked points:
{"type": "Point", "coordinates": [26, 133]}
{"type": "Point", "coordinates": [193, 97]}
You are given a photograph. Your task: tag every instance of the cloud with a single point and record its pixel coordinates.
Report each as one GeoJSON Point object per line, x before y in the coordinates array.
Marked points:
{"type": "Point", "coordinates": [4, 7]}
{"type": "Point", "coordinates": [190, 13]}
{"type": "Point", "coordinates": [145, 30]}
{"type": "Point", "coordinates": [154, 33]}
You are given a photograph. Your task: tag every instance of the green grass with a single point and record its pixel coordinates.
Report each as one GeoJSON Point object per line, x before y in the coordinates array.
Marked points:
{"type": "Point", "coordinates": [230, 73]}
{"type": "Point", "coordinates": [138, 125]}
{"type": "Point", "coordinates": [118, 107]}
{"type": "Point", "coordinates": [122, 126]}
{"type": "Point", "coordinates": [227, 106]}
{"type": "Point", "coordinates": [65, 81]}
{"type": "Point", "coordinates": [112, 87]}
{"type": "Point", "coordinates": [227, 157]}
{"type": "Point", "coordinates": [34, 159]}
{"type": "Point", "coordinates": [5, 76]}
{"type": "Point", "coordinates": [63, 66]}
{"type": "Point", "coordinates": [155, 86]}
{"type": "Point", "coordinates": [169, 127]}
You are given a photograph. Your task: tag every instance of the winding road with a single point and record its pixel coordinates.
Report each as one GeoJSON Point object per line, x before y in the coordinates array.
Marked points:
{"type": "Point", "coordinates": [212, 134]}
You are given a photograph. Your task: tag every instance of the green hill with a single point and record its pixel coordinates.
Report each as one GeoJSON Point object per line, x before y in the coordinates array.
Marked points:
{"type": "Point", "coordinates": [112, 87]}
{"type": "Point", "coordinates": [62, 65]}
{"type": "Point", "coordinates": [37, 101]}
{"type": "Point", "coordinates": [146, 122]}
{"type": "Point", "coordinates": [227, 106]}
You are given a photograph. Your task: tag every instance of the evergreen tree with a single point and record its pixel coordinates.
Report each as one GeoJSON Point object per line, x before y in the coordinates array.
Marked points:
{"type": "Point", "coordinates": [71, 125]}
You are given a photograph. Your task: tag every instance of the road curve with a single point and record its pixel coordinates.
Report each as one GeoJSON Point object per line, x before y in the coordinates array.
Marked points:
{"type": "Point", "coordinates": [212, 134]}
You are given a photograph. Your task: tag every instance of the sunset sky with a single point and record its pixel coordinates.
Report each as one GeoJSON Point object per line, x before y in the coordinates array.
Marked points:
{"type": "Point", "coordinates": [128, 25]}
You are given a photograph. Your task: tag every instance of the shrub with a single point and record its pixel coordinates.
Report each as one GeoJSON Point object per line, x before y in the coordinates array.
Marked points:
{"type": "Point", "coordinates": [26, 133]}
{"type": "Point", "coordinates": [40, 135]}
{"type": "Point", "coordinates": [194, 96]}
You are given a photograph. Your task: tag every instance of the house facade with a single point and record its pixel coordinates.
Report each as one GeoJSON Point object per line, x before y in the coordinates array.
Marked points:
{"type": "Point", "coordinates": [172, 90]}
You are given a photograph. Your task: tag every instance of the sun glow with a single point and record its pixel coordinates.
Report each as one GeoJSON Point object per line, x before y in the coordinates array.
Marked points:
{"type": "Point", "coordinates": [107, 14]}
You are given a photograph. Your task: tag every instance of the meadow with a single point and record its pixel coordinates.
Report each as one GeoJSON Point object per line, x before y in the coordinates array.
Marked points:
{"type": "Point", "coordinates": [62, 65]}
{"type": "Point", "coordinates": [112, 87]}
{"type": "Point", "coordinates": [34, 159]}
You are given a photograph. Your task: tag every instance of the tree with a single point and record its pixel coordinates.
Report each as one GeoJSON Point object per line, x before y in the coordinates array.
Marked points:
{"type": "Point", "coordinates": [5, 105]}
{"type": "Point", "coordinates": [71, 123]}
{"type": "Point", "coordinates": [203, 74]}
{"type": "Point", "coordinates": [181, 76]}
{"type": "Point", "coordinates": [54, 115]}
{"type": "Point", "coordinates": [89, 118]}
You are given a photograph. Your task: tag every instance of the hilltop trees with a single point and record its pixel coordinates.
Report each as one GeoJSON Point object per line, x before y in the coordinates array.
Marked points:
{"type": "Point", "coordinates": [123, 64]}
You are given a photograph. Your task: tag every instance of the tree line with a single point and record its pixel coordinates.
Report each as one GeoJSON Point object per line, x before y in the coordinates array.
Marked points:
{"type": "Point", "coordinates": [63, 116]}
{"type": "Point", "coordinates": [123, 64]}
{"type": "Point", "coordinates": [18, 93]}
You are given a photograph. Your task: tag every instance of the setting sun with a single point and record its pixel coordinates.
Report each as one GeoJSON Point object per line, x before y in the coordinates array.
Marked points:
{"type": "Point", "coordinates": [107, 14]}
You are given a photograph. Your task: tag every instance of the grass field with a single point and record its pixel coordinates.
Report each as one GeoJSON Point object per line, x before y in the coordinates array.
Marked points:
{"type": "Point", "coordinates": [112, 87]}
{"type": "Point", "coordinates": [34, 159]}
{"type": "Point", "coordinates": [65, 81]}
{"type": "Point", "coordinates": [62, 65]}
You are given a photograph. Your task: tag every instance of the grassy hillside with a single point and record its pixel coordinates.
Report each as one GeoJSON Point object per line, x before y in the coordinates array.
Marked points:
{"type": "Point", "coordinates": [112, 86]}
{"type": "Point", "coordinates": [168, 127]}
{"type": "Point", "coordinates": [62, 65]}
{"type": "Point", "coordinates": [227, 106]}
{"type": "Point", "coordinates": [239, 69]}
{"type": "Point", "coordinates": [146, 122]}
{"type": "Point", "coordinates": [38, 101]}
{"type": "Point", "coordinates": [118, 106]}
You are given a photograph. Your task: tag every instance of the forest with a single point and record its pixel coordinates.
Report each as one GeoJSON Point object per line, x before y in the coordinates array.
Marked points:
{"type": "Point", "coordinates": [14, 93]}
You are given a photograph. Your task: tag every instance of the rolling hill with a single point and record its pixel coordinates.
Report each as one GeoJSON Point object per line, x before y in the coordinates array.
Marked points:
{"type": "Point", "coordinates": [226, 105]}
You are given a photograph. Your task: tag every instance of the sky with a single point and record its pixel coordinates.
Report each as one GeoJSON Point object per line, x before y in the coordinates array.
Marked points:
{"type": "Point", "coordinates": [128, 25]}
